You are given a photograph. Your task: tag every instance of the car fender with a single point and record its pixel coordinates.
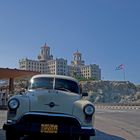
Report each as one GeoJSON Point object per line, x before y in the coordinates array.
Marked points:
{"type": "Point", "coordinates": [22, 109]}
{"type": "Point", "coordinates": [78, 111]}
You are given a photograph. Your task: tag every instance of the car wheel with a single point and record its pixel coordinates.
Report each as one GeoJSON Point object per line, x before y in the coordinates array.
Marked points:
{"type": "Point", "coordinates": [12, 136]}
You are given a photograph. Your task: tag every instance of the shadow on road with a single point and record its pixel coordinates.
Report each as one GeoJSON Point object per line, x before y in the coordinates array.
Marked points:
{"type": "Point", "coordinates": [99, 136]}
{"type": "Point", "coordinates": [104, 136]}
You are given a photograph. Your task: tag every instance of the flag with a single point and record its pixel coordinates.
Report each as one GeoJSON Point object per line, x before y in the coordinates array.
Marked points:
{"type": "Point", "coordinates": [120, 67]}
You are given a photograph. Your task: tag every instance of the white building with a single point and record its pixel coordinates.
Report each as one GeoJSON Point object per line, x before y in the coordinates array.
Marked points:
{"type": "Point", "coordinates": [46, 64]}
{"type": "Point", "coordinates": [79, 69]}
{"type": "Point", "coordinates": [91, 71]}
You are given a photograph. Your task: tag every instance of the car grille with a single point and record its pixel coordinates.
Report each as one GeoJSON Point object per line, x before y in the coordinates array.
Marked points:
{"type": "Point", "coordinates": [66, 123]}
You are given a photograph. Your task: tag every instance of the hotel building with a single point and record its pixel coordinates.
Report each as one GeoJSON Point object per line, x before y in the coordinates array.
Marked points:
{"type": "Point", "coordinates": [48, 65]}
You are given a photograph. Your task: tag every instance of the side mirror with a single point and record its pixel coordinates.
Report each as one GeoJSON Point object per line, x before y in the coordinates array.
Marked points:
{"type": "Point", "coordinates": [85, 94]}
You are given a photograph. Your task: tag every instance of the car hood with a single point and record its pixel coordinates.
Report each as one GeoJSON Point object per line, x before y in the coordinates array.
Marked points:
{"type": "Point", "coordinates": [53, 101]}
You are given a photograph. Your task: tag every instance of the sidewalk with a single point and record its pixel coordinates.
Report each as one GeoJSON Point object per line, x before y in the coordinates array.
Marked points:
{"type": "Point", "coordinates": [3, 114]}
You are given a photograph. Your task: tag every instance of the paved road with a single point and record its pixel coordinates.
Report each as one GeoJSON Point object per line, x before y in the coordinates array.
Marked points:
{"type": "Point", "coordinates": [118, 124]}
{"type": "Point", "coordinates": [110, 124]}
{"type": "Point", "coordinates": [2, 120]}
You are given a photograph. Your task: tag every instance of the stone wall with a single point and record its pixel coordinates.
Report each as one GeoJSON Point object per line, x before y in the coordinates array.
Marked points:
{"type": "Point", "coordinates": [111, 91]}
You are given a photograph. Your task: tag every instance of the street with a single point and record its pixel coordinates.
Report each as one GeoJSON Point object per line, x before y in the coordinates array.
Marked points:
{"type": "Point", "coordinates": [110, 124]}
{"type": "Point", "coordinates": [118, 124]}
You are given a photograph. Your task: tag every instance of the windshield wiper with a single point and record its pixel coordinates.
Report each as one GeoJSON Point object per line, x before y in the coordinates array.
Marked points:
{"type": "Point", "coordinates": [64, 89]}
{"type": "Point", "coordinates": [41, 88]}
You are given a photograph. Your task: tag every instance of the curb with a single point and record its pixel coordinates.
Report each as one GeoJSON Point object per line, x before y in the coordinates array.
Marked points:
{"type": "Point", "coordinates": [116, 107]}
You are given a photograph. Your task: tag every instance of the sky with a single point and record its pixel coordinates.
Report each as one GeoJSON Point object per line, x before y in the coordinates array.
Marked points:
{"type": "Point", "coordinates": [106, 32]}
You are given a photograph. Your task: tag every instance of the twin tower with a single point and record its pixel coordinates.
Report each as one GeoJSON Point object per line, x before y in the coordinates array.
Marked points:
{"type": "Point", "coordinates": [45, 55]}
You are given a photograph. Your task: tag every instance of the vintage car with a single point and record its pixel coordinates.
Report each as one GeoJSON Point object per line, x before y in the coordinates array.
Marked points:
{"type": "Point", "coordinates": [53, 105]}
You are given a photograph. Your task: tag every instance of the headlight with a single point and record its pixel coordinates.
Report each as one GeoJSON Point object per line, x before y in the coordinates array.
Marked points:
{"type": "Point", "coordinates": [13, 104]}
{"type": "Point", "coordinates": [89, 109]}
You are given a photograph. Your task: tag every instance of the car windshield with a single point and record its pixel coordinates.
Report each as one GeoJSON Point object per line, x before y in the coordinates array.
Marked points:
{"type": "Point", "coordinates": [66, 85]}
{"type": "Point", "coordinates": [60, 84]}
{"type": "Point", "coordinates": [41, 82]}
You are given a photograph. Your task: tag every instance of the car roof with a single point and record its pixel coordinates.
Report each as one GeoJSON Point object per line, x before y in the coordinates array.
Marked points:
{"type": "Point", "coordinates": [54, 76]}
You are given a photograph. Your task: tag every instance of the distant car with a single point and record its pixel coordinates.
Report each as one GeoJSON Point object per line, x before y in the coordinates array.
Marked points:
{"type": "Point", "coordinates": [52, 106]}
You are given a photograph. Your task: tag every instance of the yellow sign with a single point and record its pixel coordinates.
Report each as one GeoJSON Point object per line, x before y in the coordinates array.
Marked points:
{"type": "Point", "coordinates": [49, 128]}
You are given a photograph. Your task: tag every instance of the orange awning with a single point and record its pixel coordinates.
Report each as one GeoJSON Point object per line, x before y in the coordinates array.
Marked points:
{"type": "Point", "coordinates": [6, 73]}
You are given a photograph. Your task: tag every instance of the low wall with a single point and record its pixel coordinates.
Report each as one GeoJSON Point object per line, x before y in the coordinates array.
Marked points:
{"type": "Point", "coordinates": [118, 106]}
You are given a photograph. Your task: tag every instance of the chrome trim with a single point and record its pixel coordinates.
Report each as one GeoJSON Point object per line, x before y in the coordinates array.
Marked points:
{"type": "Point", "coordinates": [87, 127]}
{"type": "Point", "coordinates": [52, 104]}
{"type": "Point", "coordinates": [9, 121]}
{"type": "Point", "coordinates": [52, 115]}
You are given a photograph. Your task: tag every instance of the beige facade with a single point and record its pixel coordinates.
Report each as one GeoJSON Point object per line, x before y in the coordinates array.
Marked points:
{"type": "Point", "coordinates": [91, 71]}
{"type": "Point", "coordinates": [47, 65]}
{"type": "Point", "coordinates": [79, 69]}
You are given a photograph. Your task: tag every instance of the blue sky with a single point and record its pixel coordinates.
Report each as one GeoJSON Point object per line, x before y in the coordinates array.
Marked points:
{"type": "Point", "coordinates": [106, 32]}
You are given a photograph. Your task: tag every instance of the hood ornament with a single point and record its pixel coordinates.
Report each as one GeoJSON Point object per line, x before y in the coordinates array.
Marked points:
{"type": "Point", "coordinates": [51, 104]}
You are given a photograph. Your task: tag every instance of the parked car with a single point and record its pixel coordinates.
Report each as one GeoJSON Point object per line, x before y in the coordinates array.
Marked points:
{"type": "Point", "coordinates": [53, 105]}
